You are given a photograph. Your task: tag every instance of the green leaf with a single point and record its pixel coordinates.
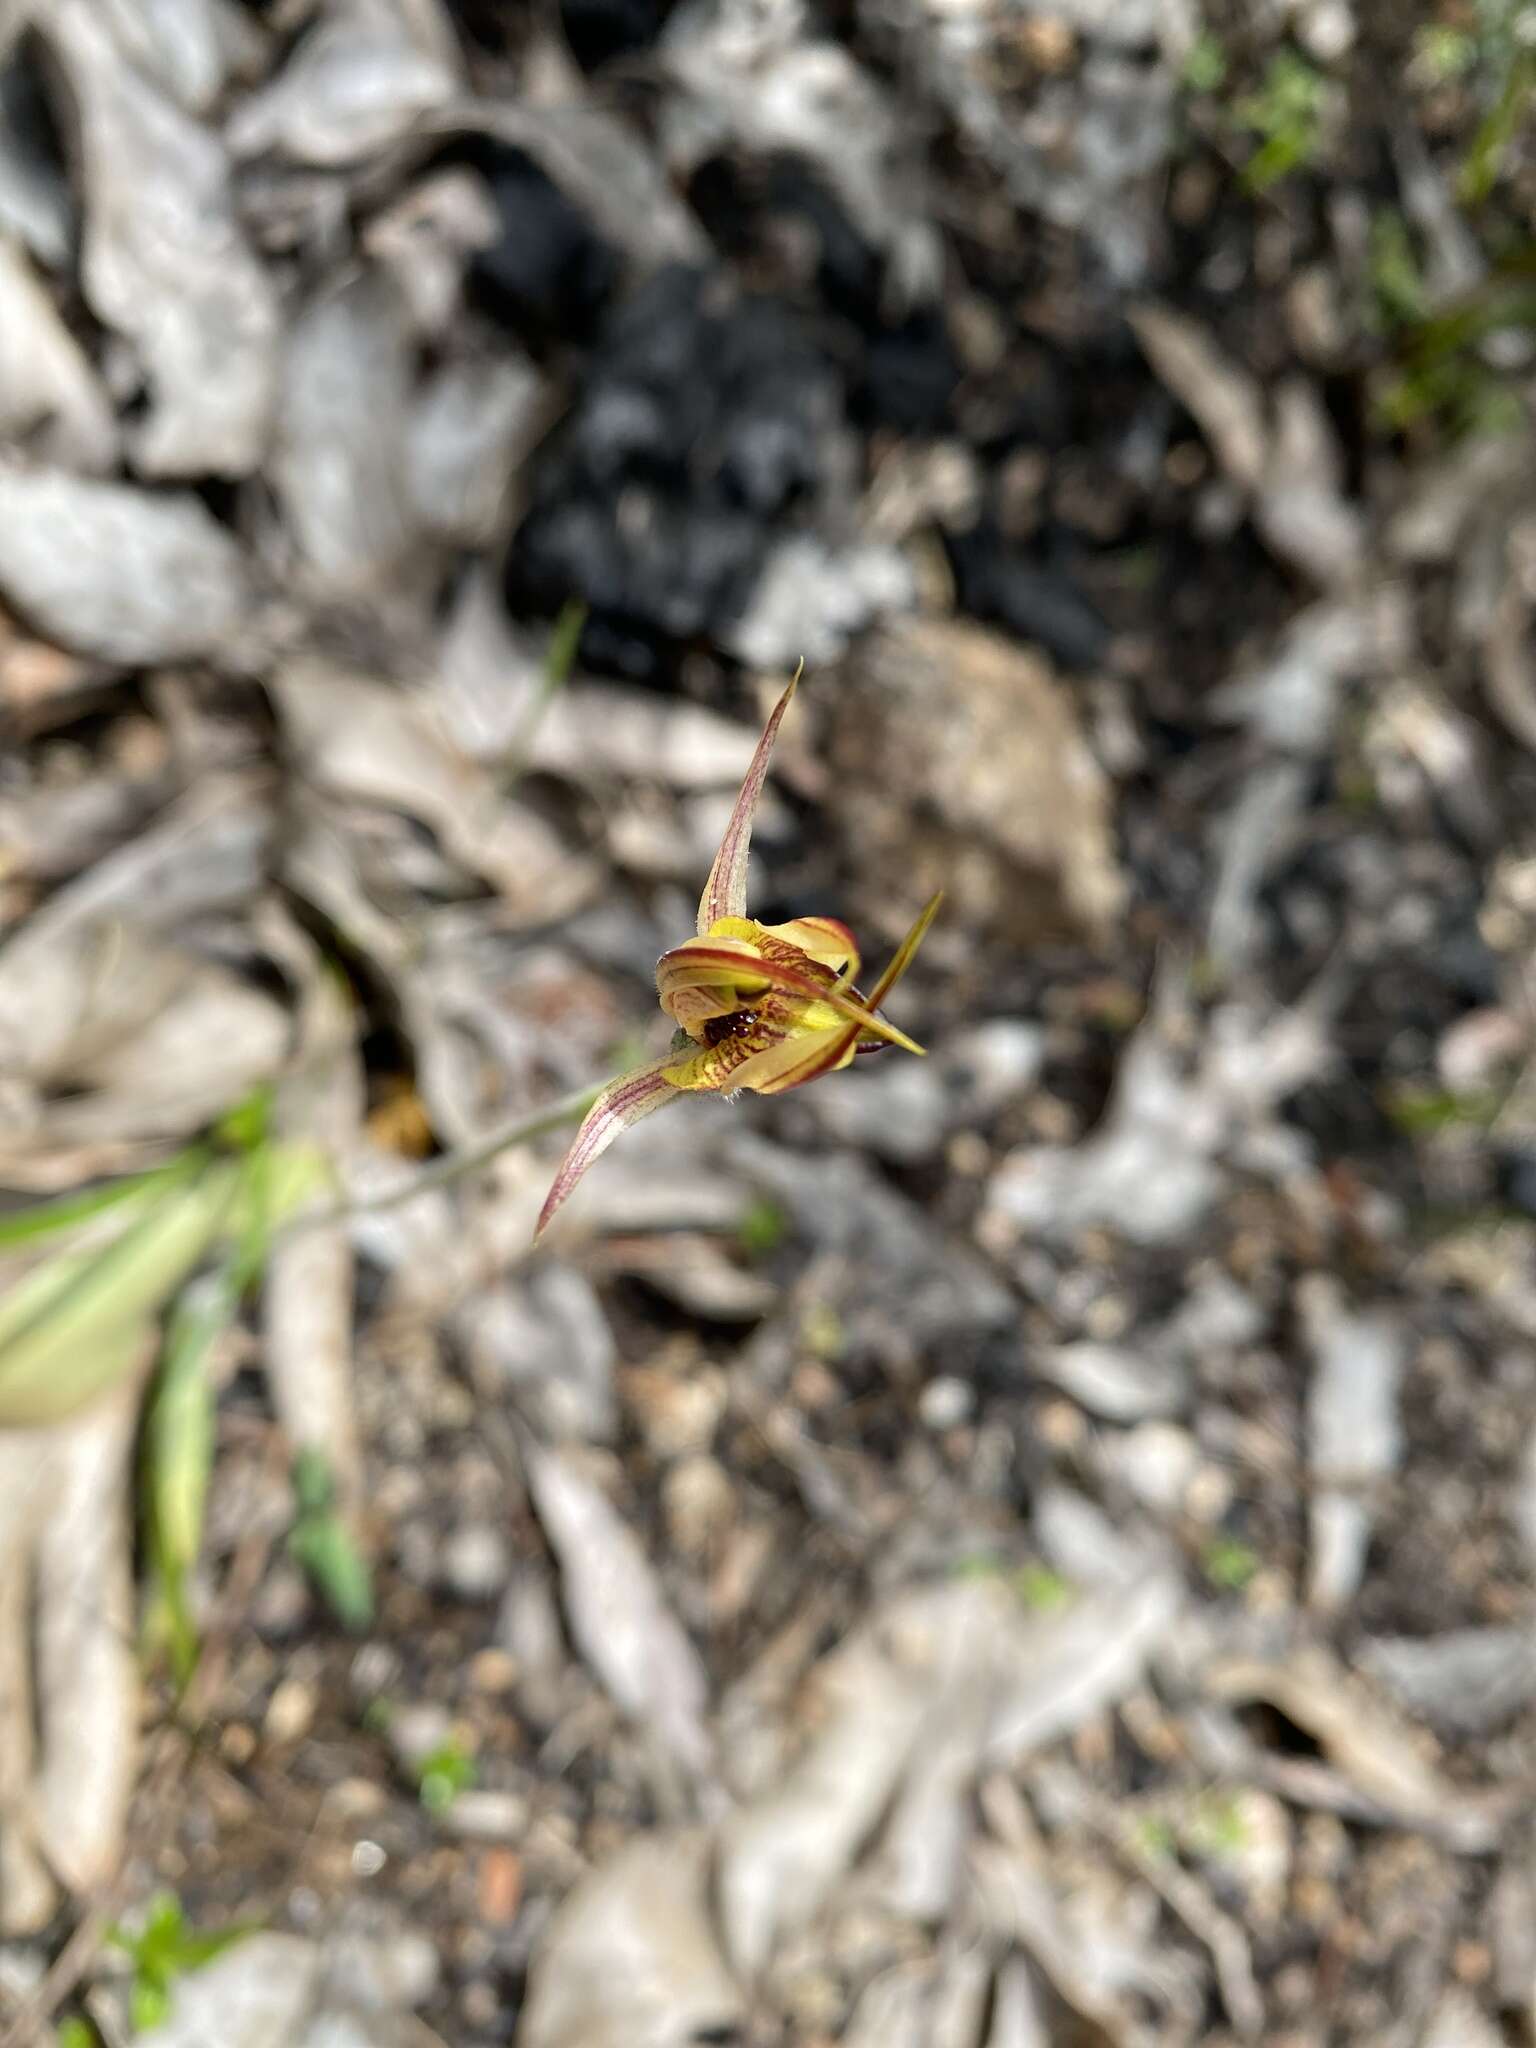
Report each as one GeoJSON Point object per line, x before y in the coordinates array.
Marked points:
{"type": "Point", "coordinates": [1041, 1588]}
{"type": "Point", "coordinates": [559, 660]}
{"type": "Point", "coordinates": [164, 1948]}
{"type": "Point", "coordinates": [72, 1325]}
{"type": "Point", "coordinates": [322, 1545]}
{"type": "Point", "coordinates": [66, 1212]}
{"type": "Point", "coordinates": [178, 1455]}
{"type": "Point", "coordinates": [246, 1126]}
{"type": "Point", "coordinates": [1205, 68]}
{"type": "Point", "coordinates": [1485, 158]}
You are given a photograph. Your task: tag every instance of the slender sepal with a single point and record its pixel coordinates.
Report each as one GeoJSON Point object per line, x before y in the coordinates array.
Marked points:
{"type": "Point", "coordinates": [623, 1102]}
{"type": "Point", "coordinates": [725, 893]}
{"type": "Point", "coordinates": [901, 959]}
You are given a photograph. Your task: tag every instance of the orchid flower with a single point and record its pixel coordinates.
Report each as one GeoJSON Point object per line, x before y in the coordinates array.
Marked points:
{"type": "Point", "coordinates": [764, 1006]}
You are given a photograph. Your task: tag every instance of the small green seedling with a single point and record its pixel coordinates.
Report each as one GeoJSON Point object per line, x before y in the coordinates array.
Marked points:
{"type": "Point", "coordinates": [1205, 68]}
{"type": "Point", "coordinates": [1286, 115]}
{"type": "Point", "coordinates": [762, 1228]}
{"type": "Point", "coordinates": [163, 1949]}
{"type": "Point", "coordinates": [1228, 1564]}
{"type": "Point", "coordinates": [443, 1774]}
{"type": "Point", "coordinates": [322, 1546]}
{"type": "Point", "coordinates": [1041, 1588]}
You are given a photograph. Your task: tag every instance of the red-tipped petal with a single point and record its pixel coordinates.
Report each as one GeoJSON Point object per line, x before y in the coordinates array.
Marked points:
{"type": "Point", "coordinates": [702, 963]}
{"type": "Point", "coordinates": [622, 1103]}
{"type": "Point", "coordinates": [725, 893]}
{"type": "Point", "coordinates": [826, 939]}
{"type": "Point", "coordinates": [794, 1061]}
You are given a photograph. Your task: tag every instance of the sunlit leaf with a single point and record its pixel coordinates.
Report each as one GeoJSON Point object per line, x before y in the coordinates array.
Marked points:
{"type": "Point", "coordinates": [71, 1324]}
{"type": "Point", "coordinates": [67, 1212]}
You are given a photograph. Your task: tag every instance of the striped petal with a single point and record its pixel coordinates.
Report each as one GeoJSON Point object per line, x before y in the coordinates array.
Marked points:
{"type": "Point", "coordinates": [725, 893]}
{"type": "Point", "coordinates": [622, 1103]}
{"type": "Point", "coordinates": [826, 939]}
{"type": "Point", "coordinates": [794, 1061]}
{"type": "Point", "coordinates": [841, 1046]}
{"type": "Point", "coordinates": [722, 963]}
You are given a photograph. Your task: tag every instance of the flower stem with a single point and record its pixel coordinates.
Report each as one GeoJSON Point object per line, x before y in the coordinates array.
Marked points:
{"type": "Point", "coordinates": [453, 1166]}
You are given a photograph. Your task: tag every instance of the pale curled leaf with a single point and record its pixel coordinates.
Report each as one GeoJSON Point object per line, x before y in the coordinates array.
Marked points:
{"type": "Point", "coordinates": [48, 390]}
{"type": "Point", "coordinates": [165, 260]}
{"type": "Point", "coordinates": [618, 1614]}
{"type": "Point", "coordinates": [725, 893]}
{"type": "Point", "coordinates": [1354, 1431]}
{"type": "Point", "coordinates": [1367, 1746]}
{"type": "Point", "coordinates": [362, 738]}
{"type": "Point", "coordinates": [941, 1682]}
{"type": "Point", "coordinates": [362, 77]}
{"type": "Point", "coordinates": [630, 1960]}
{"type": "Point", "coordinates": [1226, 403]}
{"type": "Point", "coordinates": [118, 573]}
{"type": "Point", "coordinates": [339, 462]}
{"type": "Point", "coordinates": [87, 1678]}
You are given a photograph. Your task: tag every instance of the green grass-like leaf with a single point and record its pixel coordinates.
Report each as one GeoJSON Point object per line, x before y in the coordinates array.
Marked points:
{"type": "Point", "coordinates": [163, 1949]}
{"type": "Point", "coordinates": [321, 1544]}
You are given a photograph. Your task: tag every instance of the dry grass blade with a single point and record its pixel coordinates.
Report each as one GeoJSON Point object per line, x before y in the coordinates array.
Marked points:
{"type": "Point", "coordinates": [617, 1611]}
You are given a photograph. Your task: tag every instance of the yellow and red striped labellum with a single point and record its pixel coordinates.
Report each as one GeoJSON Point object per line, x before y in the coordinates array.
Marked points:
{"type": "Point", "coordinates": [766, 1007]}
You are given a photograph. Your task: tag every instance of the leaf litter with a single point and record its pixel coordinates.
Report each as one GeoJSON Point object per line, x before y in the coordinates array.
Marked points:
{"type": "Point", "coordinates": [1003, 1548]}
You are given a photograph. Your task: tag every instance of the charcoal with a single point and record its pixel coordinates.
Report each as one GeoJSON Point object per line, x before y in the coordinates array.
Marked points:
{"type": "Point", "coordinates": [549, 275]}
{"type": "Point", "coordinates": [1033, 598]}
{"type": "Point", "coordinates": [702, 424]}
{"type": "Point", "coordinates": [599, 31]}
{"type": "Point", "coordinates": [902, 366]}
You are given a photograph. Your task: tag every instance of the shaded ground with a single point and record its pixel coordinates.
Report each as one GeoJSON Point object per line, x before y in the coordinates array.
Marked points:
{"type": "Point", "coordinates": [1030, 1545]}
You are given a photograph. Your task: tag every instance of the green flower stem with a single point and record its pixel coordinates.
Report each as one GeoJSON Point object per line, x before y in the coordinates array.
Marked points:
{"type": "Point", "coordinates": [454, 1166]}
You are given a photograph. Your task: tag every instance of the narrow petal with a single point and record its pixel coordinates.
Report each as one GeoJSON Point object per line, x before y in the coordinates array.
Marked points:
{"type": "Point", "coordinates": [794, 1061]}
{"type": "Point", "coordinates": [725, 893]}
{"type": "Point", "coordinates": [708, 963]}
{"type": "Point", "coordinates": [622, 1103]}
{"type": "Point", "coordinates": [901, 959]}
{"type": "Point", "coordinates": [826, 939]}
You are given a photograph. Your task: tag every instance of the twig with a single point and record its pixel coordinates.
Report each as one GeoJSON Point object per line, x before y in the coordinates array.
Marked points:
{"type": "Point", "coordinates": [454, 1165]}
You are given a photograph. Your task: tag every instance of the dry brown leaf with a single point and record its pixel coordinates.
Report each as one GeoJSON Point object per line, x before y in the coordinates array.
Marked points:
{"type": "Point", "coordinates": [362, 77]}
{"type": "Point", "coordinates": [618, 1614]}
{"type": "Point", "coordinates": [1226, 403]}
{"type": "Point", "coordinates": [339, 459]}
{"type": "Point", "coordinates": [630, 1960]}
{"type": "Point", "coordinates": [165, 260]}
{"type": "Point", "coordinates": [87, 1674]}
{"type": "Point", "coordinates": [49, 394]}
{"type": "Point", "coordinates": [363, 739]}
{"type": "Point", "coordinates": [122, 574]}
{"type": "Point", "coordinates": [1366, 1746]}
{"type": "Point", "coordinates": [990, 788]}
